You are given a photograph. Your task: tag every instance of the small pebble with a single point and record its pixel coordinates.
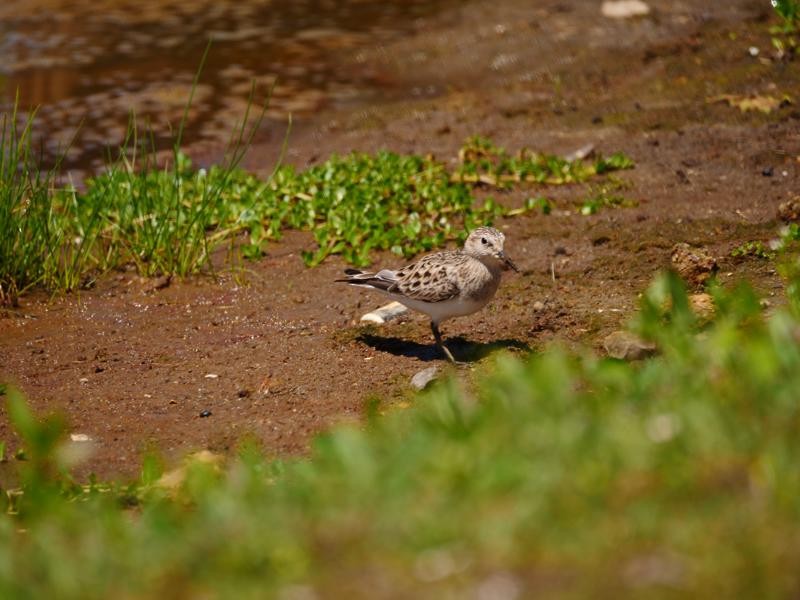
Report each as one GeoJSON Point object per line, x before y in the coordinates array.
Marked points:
{"type": "Point", "coordinates": [79, 437]}
{"type": "Point", "coordinates": [600, 240]}
{"type": "Point", "coordinates": [768, 171]}
{"type": "Point", "coordinates": [205, 413]}
{"type": "Point", "coordinates": [627, 346]}
{"type": "Point", "coordinates": [423, 378]}
{"type": "Point", "coordinates": [385, 313]}
{"type": "Point", "coordinates": [624, 9]}
{"type": "Point", "coordinates": [753, 51]}
{"type": "Point", "coordinates": [243, 393]}
{"type": "Point", "coordinates": [212, 376]}
{"type": "Point", "coordinates": [703, 306]}
{"type": "Point", "coordinates": [694, 265]}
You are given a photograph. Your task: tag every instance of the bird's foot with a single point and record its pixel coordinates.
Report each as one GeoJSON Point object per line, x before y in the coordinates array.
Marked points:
{"type": "Point", "coordinates": [450, 357]}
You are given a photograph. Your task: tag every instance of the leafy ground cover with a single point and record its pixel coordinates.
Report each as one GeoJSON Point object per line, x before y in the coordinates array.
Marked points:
{"type": "Point", "coordinates": [170, 220]}
{"type": "Point", "coordinates": [563, 473]}
{"type": "Point", "coordinates": [784, 35]}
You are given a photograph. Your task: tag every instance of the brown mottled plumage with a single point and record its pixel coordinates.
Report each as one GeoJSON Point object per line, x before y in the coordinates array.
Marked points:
{"type": "Point", "coordinates": [447, 284]}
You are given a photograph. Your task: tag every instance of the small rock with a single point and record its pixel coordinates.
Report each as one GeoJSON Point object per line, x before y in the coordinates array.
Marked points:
{"type": "Point", "coordinates": [538, 306]}
{"type": "Point", "coordinates": [703, 306]}
{"type": "Point", "coordinates": [580, 153]}
{"type": "Point", "coordinates": [212, 376]}
{"type": "Point", "coordinates": [83, 380]}
{"type": "Point", "coordinates": [243, 393]}
{"type": "Point", "coordinates": [626, 346]}
{"type": "Point", "coordinates": [624, 9]}
{"type": "Point", "coordinates": [768, 171]}
{"type": "Point", "coordinates": [695, 265]}
{"type": "Point", "coordinates": [159, 283]}
{"type": "Point", "coordinates": [422, 379]}
{"type": "Point", "coordinates": [385, 313]}
{"type": "Point", "coordinates": [599, 240]}
{"type": "Point", "coordinates": [172, 480]}
{"type": "Point", "coordinates": [79, 437]}
{"type": "Point", "coordinates": [205, 413]}
{"type": "Point", "coordinates": [790, 210]}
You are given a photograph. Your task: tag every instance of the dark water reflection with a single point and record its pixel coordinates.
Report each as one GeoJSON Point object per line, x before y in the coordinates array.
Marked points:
{"type": "Point", "coordinates": [90, 63]}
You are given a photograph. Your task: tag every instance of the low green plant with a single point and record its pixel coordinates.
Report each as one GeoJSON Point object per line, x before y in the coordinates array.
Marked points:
{"type": "Point", "coordinates": [790, 234]}
{"type": "Point", "coordinates": [359, 202]}
{"type": "Point", "coordinates": [481, 161]}
{"type": "Point", "coordinates": [784, 35]}
{"type": "Point", "coordinates": [540, 203]}
{"type": "Point", "coordinates": [584, 476]}
{"type": "Point", "coordinates": [755, 249]}
{"type": "Point", "coordinates": [605, 197]}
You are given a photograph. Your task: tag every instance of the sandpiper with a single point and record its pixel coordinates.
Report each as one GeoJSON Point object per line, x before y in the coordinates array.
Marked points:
{"type": "Point", "coordinates": [447, 284]}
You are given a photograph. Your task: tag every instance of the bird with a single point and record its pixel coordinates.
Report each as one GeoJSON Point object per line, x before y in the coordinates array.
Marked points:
{"type": "Point", "coordinates": [447, 284]}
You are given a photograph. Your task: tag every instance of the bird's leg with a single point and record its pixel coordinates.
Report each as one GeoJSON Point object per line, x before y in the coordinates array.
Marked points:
{"type": "Point", "coordinates": [440, 344]}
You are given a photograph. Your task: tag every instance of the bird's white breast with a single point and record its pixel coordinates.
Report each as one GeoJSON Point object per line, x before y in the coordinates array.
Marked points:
{"type": "Point", "coordinates": [446, 309]}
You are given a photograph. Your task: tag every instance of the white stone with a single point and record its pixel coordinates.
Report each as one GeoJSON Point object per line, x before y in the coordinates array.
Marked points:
{"type": "Point", "coordinates": [624, 9]}
{"type": "Point", "coordinates": [423, 378]}
{"type": "Point", "coordinates": [385, 313]}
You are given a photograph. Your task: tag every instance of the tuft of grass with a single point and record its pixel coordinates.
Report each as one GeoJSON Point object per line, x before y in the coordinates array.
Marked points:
{"type": "Point", "coordinates": [584, 476]}
{"type": "Point", "coordinates": [61, 239]}
{"type": "Point", "coordinates": [35, 245]}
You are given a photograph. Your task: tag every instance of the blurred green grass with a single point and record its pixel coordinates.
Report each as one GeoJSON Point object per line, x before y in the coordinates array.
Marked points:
{"type": "Point", "coordinates": [559, 476]}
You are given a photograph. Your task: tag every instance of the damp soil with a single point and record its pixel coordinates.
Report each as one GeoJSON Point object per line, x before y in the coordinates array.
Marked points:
{"type": "Point", "coordinates": [273, 351]}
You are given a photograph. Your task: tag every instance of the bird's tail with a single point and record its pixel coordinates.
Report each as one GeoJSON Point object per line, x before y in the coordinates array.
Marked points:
{"type": "Point", "coordinates": [382, 280]}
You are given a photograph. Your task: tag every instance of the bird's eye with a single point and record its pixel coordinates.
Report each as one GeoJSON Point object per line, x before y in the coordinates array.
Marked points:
{"type": "Point", "coordinates": [483, 241]}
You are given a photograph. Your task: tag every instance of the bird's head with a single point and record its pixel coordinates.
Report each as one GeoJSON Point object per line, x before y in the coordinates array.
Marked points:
{"type": "Point", "coordinates": [485, 242]}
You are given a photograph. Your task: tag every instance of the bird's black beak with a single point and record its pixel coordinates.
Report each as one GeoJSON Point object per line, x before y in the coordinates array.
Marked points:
{"type": "Point", "coordinates": [508, 262]}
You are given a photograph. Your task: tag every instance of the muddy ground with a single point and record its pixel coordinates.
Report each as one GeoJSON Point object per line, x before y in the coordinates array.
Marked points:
{"type": "Point", "coordinates": [274, 351]}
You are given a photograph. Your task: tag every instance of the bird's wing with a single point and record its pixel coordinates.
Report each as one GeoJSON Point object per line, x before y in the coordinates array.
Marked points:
{"type": "Point", "coordinates": [430, 279]}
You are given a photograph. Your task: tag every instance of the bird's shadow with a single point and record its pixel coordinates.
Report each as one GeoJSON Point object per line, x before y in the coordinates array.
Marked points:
{"type": "Point", "coordinates": [462, 349]}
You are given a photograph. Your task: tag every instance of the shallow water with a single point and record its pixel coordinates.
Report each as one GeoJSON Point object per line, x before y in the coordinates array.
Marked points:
{"type": "Point", "coordinates": [88, 65]}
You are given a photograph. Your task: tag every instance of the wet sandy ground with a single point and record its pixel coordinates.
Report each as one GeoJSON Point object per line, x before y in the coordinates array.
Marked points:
{"type": "Point", "coordinates": [275, 353]}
